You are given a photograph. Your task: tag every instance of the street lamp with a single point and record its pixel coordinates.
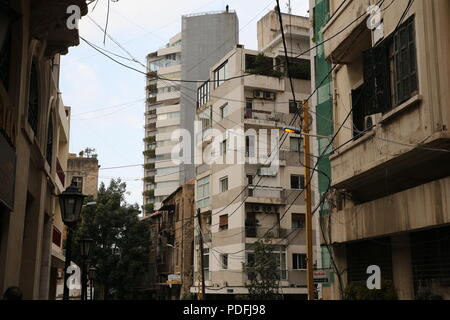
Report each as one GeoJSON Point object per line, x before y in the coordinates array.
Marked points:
{"type": "Point", "coordinates": [85, 248]}
{"type": "Point", "coordinates": [71, 202]}
{"type": "Point", "coordinates": [92, 274]}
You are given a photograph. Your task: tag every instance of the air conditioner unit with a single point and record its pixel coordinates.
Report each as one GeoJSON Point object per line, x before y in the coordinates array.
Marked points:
{"type": "Point", "coordinates": [256, 208]}
{"type": "Point", "coordinates": [258, 94]}
{"type": "Point", "coordinates": [371, 121]}
{"type": "Point", "coordinates": [269, 95]}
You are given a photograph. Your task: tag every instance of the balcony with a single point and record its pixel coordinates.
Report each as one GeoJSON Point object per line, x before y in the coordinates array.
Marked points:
{"type": "Point", "coordinates": [269, 195]}
{"type": "Point", "coordinates": [260, 232]}
{"type": "Point", "coordinates": [262, 82]}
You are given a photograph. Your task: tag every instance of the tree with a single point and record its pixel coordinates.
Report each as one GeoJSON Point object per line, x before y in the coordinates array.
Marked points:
{"type": "Point", "coordinates": [263, 272]}
{"type": "Point", "coordinates": [121, 242]}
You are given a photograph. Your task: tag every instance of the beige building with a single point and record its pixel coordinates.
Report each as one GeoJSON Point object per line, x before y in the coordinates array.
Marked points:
{"type": "Point", "coordinates": [34, 139]}
{"type": "Point", "coordinates": [172, 232]}
{"type": "Point", "coordinates": [390, 169]}
{"type": "Point", "coordinates": [241, 119]}
{"type": "Point", "coordinates": [83, 170]}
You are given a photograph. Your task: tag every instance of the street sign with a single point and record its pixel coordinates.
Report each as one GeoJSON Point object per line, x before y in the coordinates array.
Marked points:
{"type": "Point", "coordinates": [173, 279]}
{"type": "Point", "coordinates": [321, 276]}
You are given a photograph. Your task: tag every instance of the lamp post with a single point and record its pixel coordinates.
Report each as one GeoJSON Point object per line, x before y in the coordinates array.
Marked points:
{"type": "Point", "coordinates": [71, 202]}
{"type": "Point", "coordinates": [85, 248]}
{"type": "Point", "coordinates": [92, 274]}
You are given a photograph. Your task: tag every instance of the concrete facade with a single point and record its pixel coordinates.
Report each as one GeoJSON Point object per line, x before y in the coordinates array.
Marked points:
{"type": "Point", "coordinates": [34, 146]}
{"type": "Point", "coordinates": [392, 179]}
{"type": "Point", "coordinates": [234, 216]}
{"type": "Point", "coordinates": [85, 172]}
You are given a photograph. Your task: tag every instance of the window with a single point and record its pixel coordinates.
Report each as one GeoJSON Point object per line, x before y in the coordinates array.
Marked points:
{"type": "Point", "coordinates": [5, 59]}
{"type": "Point", "coordinates": [223, 148]}
{"type": "Point", "coordinates": [220, 74]}
{"type": "Point", "coordinates": [177, 213]}
{"type": "Point", "coordinates": [223, 222]}
{"type": "Point", "coordinates": [293, 106]}
{"type": "Point", "coordinates": [33, 99]}
{"type": "Point", "coordinates": [224, 184]}
{"type": "Point", "coordinates": [203, 192]}
{"type": "Point", "coordinates": [49, 150]}
{"type": "Point", "coordinates": [167, 184]}
{"type": "Point", "coordinates": [248, 108]}
{"type": "Point", "coordinates": [170, 115]}
{"type": "Point", "coordinates": [78, 181]}
{"type": "Point", "coordinates": [390, 72]}
{"type": "Point", "coordinates": [298, 221]}
{"type": "Point", "coordinates": [203, 94]}
{"type": "Point", "coordinates": [295, 144]}
{"type": "Point", "coordinates": [299, 261]}
{"type": "Point", "coordinates": [224, 111]}
{"type": "Point", "coordinates": [402, 55]}
{"type": "Point", "coordinates": [206, 263]}
{"type": "Point", "coordinates": [297, 182]}
{"type": "Point", "coordinates": [224, 261]}
{"type": "Point", "coordinates": [250, 180]}
{"type": "Point", "coordinates": [250, 146]}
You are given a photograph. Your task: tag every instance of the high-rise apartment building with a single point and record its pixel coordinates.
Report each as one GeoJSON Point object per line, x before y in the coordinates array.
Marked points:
{"type": "Point", "coordinates": [171, 105]}
{"type": "Point", "coordinates": [253, 186]}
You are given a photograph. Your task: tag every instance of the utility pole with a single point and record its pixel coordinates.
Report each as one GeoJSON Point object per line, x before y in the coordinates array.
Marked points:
{"type": "Point", "coordinates": [201, 294]}
{"type": "Point", "coordinates": [309, 235]}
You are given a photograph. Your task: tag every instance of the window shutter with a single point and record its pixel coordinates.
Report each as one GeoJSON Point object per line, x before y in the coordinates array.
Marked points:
{"type": "Point", "coordinates": [376, 83]}
{"type": "Point", "coordinates": [358, 112]}
{"type": "Point", "coordinates": [223, 220]}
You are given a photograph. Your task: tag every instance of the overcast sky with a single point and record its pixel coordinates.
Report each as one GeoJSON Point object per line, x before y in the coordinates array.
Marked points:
{"type": "Point", "coordinates": [107, 99]}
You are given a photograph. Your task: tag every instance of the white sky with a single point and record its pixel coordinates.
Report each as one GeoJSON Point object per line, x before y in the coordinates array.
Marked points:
{"type": "Point", "coordinates": [90, 81]}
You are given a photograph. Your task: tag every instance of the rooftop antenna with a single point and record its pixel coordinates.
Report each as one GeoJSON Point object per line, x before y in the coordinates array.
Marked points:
{"type": "Point", "coordinates": [288, 5]}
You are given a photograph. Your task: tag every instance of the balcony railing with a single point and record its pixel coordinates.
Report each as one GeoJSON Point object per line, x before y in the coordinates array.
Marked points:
{"type": "Point", "coordinates": [260, 232]}
{"type": "Point", "coordinates": [264, 192]}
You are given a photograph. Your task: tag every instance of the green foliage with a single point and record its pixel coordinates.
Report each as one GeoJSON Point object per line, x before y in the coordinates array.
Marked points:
{"type": "Point", "coordinates": [149, 207]}
{"type": "Point", "coordinates": [300, 70]}
{"type": "Point", "coordinates": [262, 65]}
{"type": "Point", "coordinates": [121, 242]}
{"type": "Point", "coordinates": [263, 273]}
{"type": "Point", "coordinates": [150, 139]}
{"type": "Point", "coordinates": [425, 293]}
{"type": "Point", "coordinates": [149, 153]}
{"type": "Point", "coordinates": [148, 193]}
{"type": "Point", "coordinates": [358, 291]}
{"type": "Point", "coordinates": [149, 166]}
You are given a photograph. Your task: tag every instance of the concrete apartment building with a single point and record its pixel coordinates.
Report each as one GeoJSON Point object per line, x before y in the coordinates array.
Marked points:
{"type": "Point", "coordinates": [171, 105]}
{"type": "Point", "coordinates": [235, 217]}
{"type": "Point", "coordinates": [172, 249]}
{"type": "Point", "coordinates": [390, 175]}
{"type": "Point", "coordinates": [34, 137]}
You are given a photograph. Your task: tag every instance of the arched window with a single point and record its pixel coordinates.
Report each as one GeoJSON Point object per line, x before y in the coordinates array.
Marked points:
{"type": "Point", "coordinates": [49, 152]}
{"type": "Point", "coordinates": [33, 99]}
